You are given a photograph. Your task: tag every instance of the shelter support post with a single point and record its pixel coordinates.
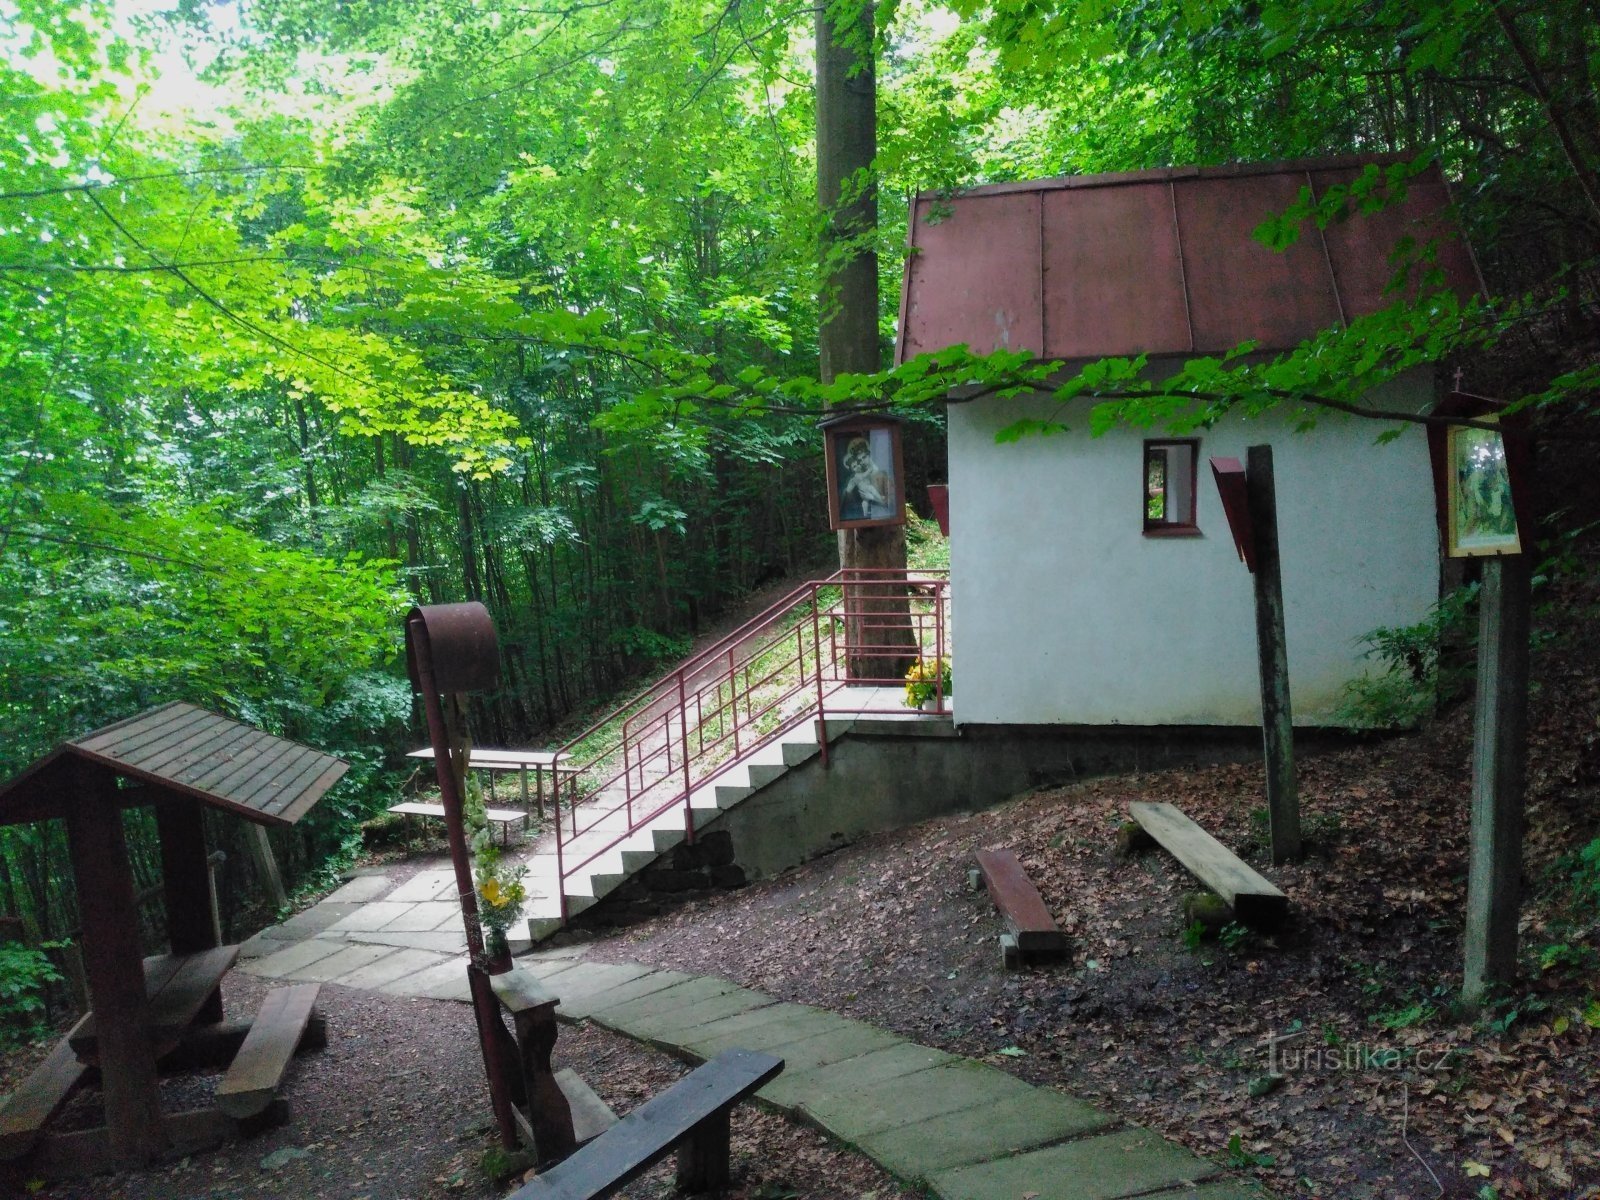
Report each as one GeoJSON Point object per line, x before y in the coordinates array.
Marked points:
{"type": "Point", "coordinates": [115, 968]}
{"type": "Point", "coordinates": [186, 886]}
{"type": "Point", "coordinates": [1277, 718]}
{"type": "Point", "coordinates": [1499, 750]}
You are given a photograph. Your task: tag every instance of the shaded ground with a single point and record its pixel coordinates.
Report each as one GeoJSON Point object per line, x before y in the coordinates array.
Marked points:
{"type": "Point", "coordinates": [1172, 1033]}
{"type": "Point", "coordinates": [396, 1109]}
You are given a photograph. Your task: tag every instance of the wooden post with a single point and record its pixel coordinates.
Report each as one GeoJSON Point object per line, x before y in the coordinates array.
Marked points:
{"type": "Point", "coordinates": [114, 967]}
{"type": "Point", "coordinates": [186, 886]}
{"type": "Point", "coordinates": [266, 865]}
{"type": "Point", "coordinates": [1277, 718]}
{"type": "Point", "coordinates": [1499, 749]}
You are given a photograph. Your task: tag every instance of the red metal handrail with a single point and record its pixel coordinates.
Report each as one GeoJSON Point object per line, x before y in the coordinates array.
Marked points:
{"type": "Point", "coordinates": [743, 692]}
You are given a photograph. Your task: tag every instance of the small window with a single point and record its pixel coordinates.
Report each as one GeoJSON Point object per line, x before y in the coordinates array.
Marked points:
{"type": "Point", "coordinates": [1169, 487]}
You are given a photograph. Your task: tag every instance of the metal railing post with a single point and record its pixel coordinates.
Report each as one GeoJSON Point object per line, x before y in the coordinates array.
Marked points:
{"type": "Point", "coordinates": [733, 700]}
{"type": "Point", "coordinates": [683, 717]}
{"type": "Point", "coordinates": [816, 671]}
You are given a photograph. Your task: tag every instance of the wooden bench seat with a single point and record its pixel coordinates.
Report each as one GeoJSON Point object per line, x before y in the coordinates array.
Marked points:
{"type": "Point", "coordinates": [1036, 934]}
{"type": "Point", "coordinates": [504, 817]}
{"type": "Point", "coordinates": [257, 1071]}
{"type": "Point", "coordinates": [178, 986]}
{"type": "Point", "coordinates": [1253, 899]}
{"type": "Point", "coordinates": [28, 1110]}
{"type": "Point", "coordinates": [691, 1116]}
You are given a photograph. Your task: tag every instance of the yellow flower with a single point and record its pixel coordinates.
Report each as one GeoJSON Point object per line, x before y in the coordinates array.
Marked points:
{"type": "Point", "coordinates": [490, 891]}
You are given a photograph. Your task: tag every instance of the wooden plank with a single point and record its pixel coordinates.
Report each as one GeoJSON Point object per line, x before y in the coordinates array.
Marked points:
{"type": "Point", "coordinates": [27, 1110]}
{"type": "Point", "coordinates": [591, 1116]}
{"type": "Point", "coordinates": [1019, 902]}
{"type": "Point", "coordinates": [297, 806]}
{"type": "Point", "coordinates": [255, 1074]}
{"type": "Point", "coordinates": [418, 808]}
{"type": "Point", "coordinates": [296, 770]}
{"type": "Point", "coordinates": [179, 739]}
{"type": "Point", "coordinates": [132, 726]}
{"type": "Point", "coordinates": [227, 770]}
{"type": "Point", "coordinates": [519, 990]}
{"type": "Point", "coordinates": [1253, 899]}
{"type": "Point", "coordinates": [649, 1132]}
{"type": "Point", "coordinates": [199, 743]}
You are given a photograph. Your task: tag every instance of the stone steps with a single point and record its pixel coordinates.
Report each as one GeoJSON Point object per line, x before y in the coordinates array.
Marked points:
{"type": "Point", "coordinates": [614, 866]}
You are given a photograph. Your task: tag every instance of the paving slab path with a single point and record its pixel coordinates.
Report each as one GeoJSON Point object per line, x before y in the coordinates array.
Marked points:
{"type": "Point", "coordinates": [960, 1128]}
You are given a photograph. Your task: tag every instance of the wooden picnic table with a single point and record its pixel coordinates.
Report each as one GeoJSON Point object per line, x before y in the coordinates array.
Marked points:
{"type": "Point", "coordinates": [177, 987]}
{"type": "Point", "coordinates": [520, 761]}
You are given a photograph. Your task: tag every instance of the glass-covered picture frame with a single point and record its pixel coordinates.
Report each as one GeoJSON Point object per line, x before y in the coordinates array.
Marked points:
{"type": "Point", "coordinates": [865, 476]}
{"type": "Point", "coordinates": [1482, 519]}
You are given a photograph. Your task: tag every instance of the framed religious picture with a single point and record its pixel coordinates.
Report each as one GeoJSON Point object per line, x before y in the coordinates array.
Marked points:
{"type": "Point", "coordinates": [1482, 517]}
{"type": "Point", "coordinates": [1482, 476]}
{"type": "Point", "coordinates": [866, 481]}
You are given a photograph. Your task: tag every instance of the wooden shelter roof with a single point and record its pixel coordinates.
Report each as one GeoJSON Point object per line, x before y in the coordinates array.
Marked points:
{"type": "Point", "coordinates": [187, 751]}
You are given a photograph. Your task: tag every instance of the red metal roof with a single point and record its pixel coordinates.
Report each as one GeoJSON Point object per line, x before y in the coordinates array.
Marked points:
{"type": "Point", "coordinates": [1155, 262]}
{"type": "Point", "coordinates": [187, 751]}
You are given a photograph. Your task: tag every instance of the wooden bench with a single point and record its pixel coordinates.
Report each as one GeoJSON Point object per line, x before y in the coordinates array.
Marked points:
{"type": "Point", "coordinates": [1034, 933]}
{"type": "Point", "coordinates": [691, 1116]}
{"type": "Point", "coordinates": [254, 1076]}
{"type": "Point", "coordinates": [178, 987]}
{"type": "Point", "coordinates": [1254, 901]}
{"type": "Point", "coordinates": [28, 1110]}
{"type": "Point", "coordinates": [504, 817]}
{"type": "Point", "coordinates": [560, 1111]}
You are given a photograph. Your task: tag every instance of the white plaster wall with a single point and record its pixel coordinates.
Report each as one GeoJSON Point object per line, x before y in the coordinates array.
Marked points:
{"type": "Point", "coordinates": [1065, 613]}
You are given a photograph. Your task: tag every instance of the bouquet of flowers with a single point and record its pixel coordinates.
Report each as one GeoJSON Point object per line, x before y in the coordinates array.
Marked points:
{"type": "Point", "coordinates": [927, 678]}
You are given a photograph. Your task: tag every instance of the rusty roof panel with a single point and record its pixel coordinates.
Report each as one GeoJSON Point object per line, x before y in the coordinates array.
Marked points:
{"type": "Point", "coordinates": [181, 749]}
{"type": "Point", "coordinates": [1095, 270]}
{"type": "Point", "coordinates": [1113, 274]}
{"type": "Point", "coordinates": [1238, 288]}
{"type": "Point", "coordinates": [1362, 248]}
{"type": "Point", "coordinates": [976, 277]}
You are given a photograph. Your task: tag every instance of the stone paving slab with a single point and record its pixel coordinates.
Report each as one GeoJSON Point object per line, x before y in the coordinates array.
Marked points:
{"type": "Point", "coordinates": [396, 965]}
{"type": "Point", "coordinates": [440, 941]}
{"type": "Point", "coordinates": [445, 980]}
{"type": "Point", "coordinates": [345, 959]}
{"type": "Point", "coordinates": [799, 1089]}
{"type": "Point", "coordinates": [848, 1039]}
{"type": "Point", "coordinates": [855, 1113]}
{"type": "Point", "coordinates": [359, 890]}
{"type": "Point", "coordinates": [645, 1010]}
{"type": "Point", "coordinates": [1124, 1163]}
{"type": "Point", "coordinates": [267, 941]}
{"type": "Point", "coordinates": [757, 1029]}
{"type": "Point", "coordinates": [291, 958]}
{"type": "Point", "coordinates": [962, 1137]}
{"type": "Point", "coordinates": [422, 917]}
{"type": "Point", "coordinates": [668, 1027]}
{"type": "Point", "coordinates": [439, 884]}
{"type": "Point", "coordinates": [583, 998]}
{"type": "Point", "coordinates": [315, 919]}
{"type": "Point", "coordinates": [373, 916]}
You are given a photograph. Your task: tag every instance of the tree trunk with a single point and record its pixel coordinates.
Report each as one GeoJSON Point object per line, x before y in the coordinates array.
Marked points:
{"type": "Point", "coordinates": [847, 143]}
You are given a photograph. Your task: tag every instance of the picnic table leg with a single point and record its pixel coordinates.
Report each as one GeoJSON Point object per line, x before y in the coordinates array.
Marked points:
{"type": "Point", "coordinates": [703, 1157]}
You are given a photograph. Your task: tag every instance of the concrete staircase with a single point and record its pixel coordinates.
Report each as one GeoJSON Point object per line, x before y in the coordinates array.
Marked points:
{"type": "Point", "coordinates": [614, 865]}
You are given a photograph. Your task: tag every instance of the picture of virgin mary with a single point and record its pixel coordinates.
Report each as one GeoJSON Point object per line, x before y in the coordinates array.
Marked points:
{"type": "Point", "coordinates": [866, 482]}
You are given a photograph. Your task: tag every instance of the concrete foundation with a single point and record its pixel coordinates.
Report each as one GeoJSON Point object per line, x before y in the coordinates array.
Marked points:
{"type": "Point", "coordinates": [887, 774]}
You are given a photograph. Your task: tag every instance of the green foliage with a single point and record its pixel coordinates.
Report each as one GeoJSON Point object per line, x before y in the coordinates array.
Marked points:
{"type": "Point", "coordinates": [25, 975]}
{"type": "Point", "coordinates": [1243, 1159]}
{"type": "Point", "coordinates": [1410, 683]}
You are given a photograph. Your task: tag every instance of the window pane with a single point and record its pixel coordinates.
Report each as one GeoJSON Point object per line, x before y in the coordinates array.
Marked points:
{"type": "Point", "coordinates": [1180, 485]}
{"type": "Point", "coordinates": [1155, 484]}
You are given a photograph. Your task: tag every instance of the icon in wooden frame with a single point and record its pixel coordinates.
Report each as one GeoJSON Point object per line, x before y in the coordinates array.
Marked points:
{"type": "Point", "coordinates": [866, 479]}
